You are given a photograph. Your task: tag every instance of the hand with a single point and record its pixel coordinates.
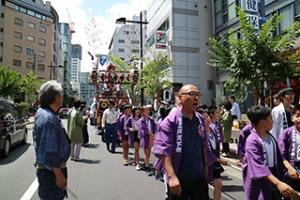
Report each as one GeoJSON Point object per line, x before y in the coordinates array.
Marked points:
{"type": "Point", "coordinates": [223, 162]}
{"type": "Point", "coordinates": [293, 173]}
{"type": "Point", "coordinates": [61, 182]}
{"type": "Point", "coordinates": [131, 129]}
{"type": "Point", "coordinates": [175, 185]}
{"type": "Point", "coordinates": [285, 189]}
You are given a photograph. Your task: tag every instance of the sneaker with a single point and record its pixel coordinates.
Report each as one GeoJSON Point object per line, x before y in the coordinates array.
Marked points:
{"type": "Point", "coordinates": [138, 167]}
{"type": "Point", "coordinates": [72, 158]}
{"type": "Point", "coordinates": [148, 173]}
{"type": "Point", "coordinates": [125, 163]}
{"type": "Point", "coordinates": [77, 159]}
{"type": "Point", "coordinates": [133, 163]}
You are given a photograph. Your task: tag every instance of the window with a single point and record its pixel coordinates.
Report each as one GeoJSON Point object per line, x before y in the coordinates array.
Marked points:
{"type": "Point", "coordinates": [31, 13]}
{"type": "Point", "coordinates": [17, 63]}
{"type": "Point", "coordinates": [42, 41]}
{"type": "Point", "coordinates": [29, 51]}
{"type": "Point", "coordinates": [121, 50]}
{"type": "Point", "coordinates": [42, 29]}
{"type": "Point", "coordinates": [23, 10]}
{"type": "Point", "coordinates": [126, 32]}
{"type": "Point", "coordinates": [121, 41]}
{"type": "Point", "coordinates": [29, 65]}
{"type": "Point", "coordinates": [31, 25]}
{"type": "Point", "coordinates": [17, 7]}
{"type": "Point", "coordinates": [135, 50]}
{"type": "Point", "coordinates": [17, 49]}
{"type": "Point", "coordinates": [297, 11]}
{"type": "Point", "coordinates": [18, 35]}
{"type": "Point", "coordinates": [287, 20]}
{"type": "Point", "coordinates": [222, 8]}
{"type": "Point", "coordinates": [30, 38]}
{"type": "Point", "coordinates": [41, 67]}
{"type": "Point", "coordinates": [135, 42]}
{"type": "Point", "coordinates": [41, 54]}
{"type": "Point", "coordinates": [18, 21]}
{"type": "Point", "coordinates": [37, 15]}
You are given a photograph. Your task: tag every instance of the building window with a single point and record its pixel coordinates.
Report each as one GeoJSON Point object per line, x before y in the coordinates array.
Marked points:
{"type": "Point", "coordinates": [17, 63]}
{"type": "Point", "coordinates": [18, 35]}
{"type": "Point", "coordinates": [121, 50]}
{"type": "Point", "coordinates": [121, 41]}
{"type": "Point", "coordinates": [17, 7]}
{"type": "Point", "coordinates": [297, 11]}
{"type": "Point", "coordinates": [29, 65]}
{"type": "Point", "coordinates": [17, 49]}
{"type": "Point", "coordinates": [29, 51]}
{"type": "Point", "coordinates": [221, 11]}
{"type": "Point", "coordinates": [135, 41]}
{"type": "Point", "coordinates": [231, 9]}
{"type": "Point", "coordinates": [41, 67]}
{"type": "Point", "coordinates": [135, 50]}
{"type": "Point", "coordinates": [41, 54]}
{"type": "Point", "coordinates": [126, 32]}
{"type": "Point", "coordinates": [37, 15]}
{"type": "Point", "coordinates": [42, 29]}
{"type": "Point", "coordinates": [18, 21]}
{"type": "Point", "coordinates": [31, 25]}
{"type": "Point", "coordinates": [287, 20]}
{"type": "Point", "coordinates": [31, 13]}
{"type": "Point", "coordinates": [30, 38]}
{"type": "Point", "coordinates": [42, 41]}
{"type": "Point", "coordinates": [23, 10]}
{"type": "Point", "coordinates": [122, 58]}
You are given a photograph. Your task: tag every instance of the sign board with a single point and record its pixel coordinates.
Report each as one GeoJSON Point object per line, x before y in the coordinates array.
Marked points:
{"type": "Point", "coordinates": [160, 40]}
{"type": "Point", "coordinates": [251, 6]}
{"type": "Point", "coordinates": [255, 21]}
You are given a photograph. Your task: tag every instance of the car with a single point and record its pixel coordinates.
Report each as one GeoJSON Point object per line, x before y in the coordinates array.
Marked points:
{"type": "Point", "coordinates": [63, 113]}
{"type": "Point", "coordinates": [13, 127]}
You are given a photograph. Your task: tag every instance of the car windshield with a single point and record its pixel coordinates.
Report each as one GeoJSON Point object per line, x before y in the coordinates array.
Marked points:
{"type": "Point", "coordinates": [64, 110]}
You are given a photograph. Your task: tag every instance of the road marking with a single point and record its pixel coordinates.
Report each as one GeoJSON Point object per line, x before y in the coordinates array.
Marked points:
{"type": "Point", "coordinates": [31, 190]}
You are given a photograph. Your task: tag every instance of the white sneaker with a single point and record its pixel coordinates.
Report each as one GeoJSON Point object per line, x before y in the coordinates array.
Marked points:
{"type": "Point", "coordinates": [138, 168]}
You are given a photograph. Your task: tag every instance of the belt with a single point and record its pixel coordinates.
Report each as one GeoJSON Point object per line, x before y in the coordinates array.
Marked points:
{"type": "Point", "coordinates": [111, 124]}
{"type": "Point", "coordinates": [62, 165]}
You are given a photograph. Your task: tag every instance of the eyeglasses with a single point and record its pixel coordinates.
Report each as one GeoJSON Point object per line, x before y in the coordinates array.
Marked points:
{"type": "Point", "coordinates": [192, 94]}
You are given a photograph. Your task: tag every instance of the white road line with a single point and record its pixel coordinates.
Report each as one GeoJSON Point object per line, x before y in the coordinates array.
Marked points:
{"type": "Point", "coordinates": [31, 190]}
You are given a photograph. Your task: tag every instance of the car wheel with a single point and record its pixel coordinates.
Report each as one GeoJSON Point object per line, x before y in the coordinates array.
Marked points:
{"type": "Point", "coordinates": [24, 141]}
{"type": "Point", "coordinates": [6, 149]}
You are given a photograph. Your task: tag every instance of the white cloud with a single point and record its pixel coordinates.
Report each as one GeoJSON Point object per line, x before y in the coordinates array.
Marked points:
{"type": "Point", "coordinates": [105, 22]}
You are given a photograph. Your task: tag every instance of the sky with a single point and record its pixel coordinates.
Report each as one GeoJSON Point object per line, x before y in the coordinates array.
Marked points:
{"type": "Point", "coordinates": [104, 13]}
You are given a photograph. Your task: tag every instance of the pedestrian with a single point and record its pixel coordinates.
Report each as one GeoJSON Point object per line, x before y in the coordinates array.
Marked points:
{"type": "Point", "coordinates": [281, 114]}
{"type": "Point", "coordinates": [216, 137]}
{"type": "Point", "coordinates": [235, 109]}
{"type": "Point", "coordinates": [124, 133]}
{"type": "Point", "coordinates": [181, 143]}
{"type": "Point", "coordinates": [85, 132]}
{"type": "Point", "coordinates": [109, 120]}
{"type": "Point", "coordinates": [51, 144]}
{"type": "Point", "coordinates": [240, 150]}
{"type": "Point", "coordinates": [276, 100]}
{"type": "Point", "coordinates": [147, 130]}
{"type": "Point", "coordinates": [133, 128]}
{"type": "Point", "coordinates": [75, 126]}
{"type": "Point", "coordinates": [289, 146]}
{"type": "Point", "coordinates": [263, 164]}
{"type": "Point", "coordinates": [226, 123]}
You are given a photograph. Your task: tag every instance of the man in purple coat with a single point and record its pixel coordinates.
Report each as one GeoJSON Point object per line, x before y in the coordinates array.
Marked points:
{"type": "Point", "coordinates": [181, 143]}
{"type": "Point", "coordinates": [240, 150]}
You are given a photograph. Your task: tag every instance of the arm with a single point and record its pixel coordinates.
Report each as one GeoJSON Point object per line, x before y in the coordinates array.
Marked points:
{"type": "Point", "coordinates": [60, 179]}
{"type": "Point", "coordinates": [293, 173]}
{"type": "Point", "coordinates": [103, 119]}
{"type": "Point", "coordinates": [173, 180]}
{"type": "Point", "coordinates": [284, 189]}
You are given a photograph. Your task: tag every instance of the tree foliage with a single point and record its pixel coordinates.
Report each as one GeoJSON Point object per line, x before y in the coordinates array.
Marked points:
{"type": "Point", "coordinates": [10, 83]}
{"type": "Point", "coordinates": [255, 57]}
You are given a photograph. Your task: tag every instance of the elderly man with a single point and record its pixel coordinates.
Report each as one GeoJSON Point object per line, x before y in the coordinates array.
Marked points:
{"type": "Point", "coordinates": [109, 121]}
{"type": "Point", "coordinates": [181, 144]}
{"type": "Point", "coordinates": [52, 146]}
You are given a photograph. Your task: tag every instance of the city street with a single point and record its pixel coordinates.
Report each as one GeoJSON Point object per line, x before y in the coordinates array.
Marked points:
{"type": "Point", "coordinates": [100, 175]}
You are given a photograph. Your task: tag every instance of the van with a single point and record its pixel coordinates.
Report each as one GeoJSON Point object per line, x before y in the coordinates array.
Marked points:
{"type": "Point", "coordinates": [12, 126]}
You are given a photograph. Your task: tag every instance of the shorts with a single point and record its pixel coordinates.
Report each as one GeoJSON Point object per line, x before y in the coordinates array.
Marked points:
{"type": "Point", "coordinates": [217, 173]}
{"type": "Point", "coordinates": [125, 138]}
{"type": "Point", "coordinates": [136, 136]}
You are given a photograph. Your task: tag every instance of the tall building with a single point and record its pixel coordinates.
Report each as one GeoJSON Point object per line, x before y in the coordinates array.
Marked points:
{"type": "Point", "coordinates": [173, 29]}
{"type": "Point", "coordinates": [64, 30]}
{"type": "Point", "coordinates": [125, 41]}
{"type": "Point", "coordinates": [87, 90]}
{"type": "Point", "coordinates": [76, 69]}
{"type": "Point", "coordinates": [27, 36]}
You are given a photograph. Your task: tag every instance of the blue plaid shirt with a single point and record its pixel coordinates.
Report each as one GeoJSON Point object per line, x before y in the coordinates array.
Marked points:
{"type": "Point", "coordinates": [52, 146]}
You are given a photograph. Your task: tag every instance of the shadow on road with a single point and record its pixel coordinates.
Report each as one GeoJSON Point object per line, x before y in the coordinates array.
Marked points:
{"type": "Point", "coordinates": [87, 161]}
{"type": "Point", "coordinates": [15, 152]}
{"type": "Point", "coordinates": [233, 188]}
{"type": "Point", "coordinates": [226, 178]}
{"type": "Point", "coordinates": [91, 146]}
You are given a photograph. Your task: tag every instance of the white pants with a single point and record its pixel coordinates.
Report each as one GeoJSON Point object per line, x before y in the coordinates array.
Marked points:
{"type": "Point", "coordinates": [75, 149]}
{"type": "Point", "coordinates": [97, 132]}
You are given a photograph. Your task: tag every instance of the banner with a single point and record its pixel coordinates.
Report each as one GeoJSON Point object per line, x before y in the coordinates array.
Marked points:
{"type": "Point", "coordinates": [251, 6]}
{"type": "Point", "coordinates": [103, 59]}
{"type": "Point", "coordinates": [160, 40]}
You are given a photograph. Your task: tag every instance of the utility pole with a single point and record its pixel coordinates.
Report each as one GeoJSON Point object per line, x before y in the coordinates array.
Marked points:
{"type": "Point", "coordinates": [52, 70]}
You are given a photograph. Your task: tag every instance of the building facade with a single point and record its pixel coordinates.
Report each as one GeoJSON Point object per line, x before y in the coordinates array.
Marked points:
{"type": "Point", "coordinates": [87, 90]}
{"type": "Point", "coordinates": [76, 69]}
{"type": "Point", "coordinates": [27, 37]}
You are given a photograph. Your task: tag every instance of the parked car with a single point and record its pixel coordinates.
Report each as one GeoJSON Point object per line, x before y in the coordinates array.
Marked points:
{"type": "Point", "coordinates": [63, 113]}
{"type": "Point", "coordinates": [12, 125]}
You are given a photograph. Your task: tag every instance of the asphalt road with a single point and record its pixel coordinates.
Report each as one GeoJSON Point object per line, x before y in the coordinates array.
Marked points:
{"type": "Point", "coordinates": [100, 175]}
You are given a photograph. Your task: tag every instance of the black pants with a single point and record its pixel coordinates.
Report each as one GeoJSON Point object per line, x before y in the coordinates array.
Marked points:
{"type": "Point", "coordinates": [225, 146]}
{"type": "Point", "coordinates": [192, 190]}
{"type": "Point", "coordinates": [234, 117]}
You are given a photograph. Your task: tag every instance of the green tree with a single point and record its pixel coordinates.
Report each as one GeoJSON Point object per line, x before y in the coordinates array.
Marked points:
{"type": "Point", "coordinates": [10, 83]}
{"type": "Point", "coordinates": [30, 86]}
{"type": "Point", "coordinates": [153, 77]}
{"type": "Point", "coordinates": [256, 57]}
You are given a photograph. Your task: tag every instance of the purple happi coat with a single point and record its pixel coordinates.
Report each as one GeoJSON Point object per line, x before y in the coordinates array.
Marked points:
{"type": "Point", "coordinates": [158, 162]}
{"type": "Point", "coordinates": [245, 132]}
{"type": "Point", "coordinates": [255, 169]}
{"type": "Point", "coordinates": [210, 156]}
{"type": "Point", "coordinates": [144, 131]}
{"type": "Point", "coordinates": [166, 140]}
{"type": "Point", "coordinates": [122, 128]}
{"type": "Point", "coordinates": [129, 125]}
{"type": "Point", "coordinates": [287, 146]}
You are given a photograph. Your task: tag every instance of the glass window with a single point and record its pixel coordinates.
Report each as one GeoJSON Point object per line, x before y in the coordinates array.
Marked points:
{"type": "Point", "coordinates": [30, 38]}
{"type": "Point", "coordinates": [38, 15]}
{"type": "Point", "coordinates": [43, 29]}
{"type": "Point", "coordinates": [218, 6]}
{"type": "Point", "coordinates": [31, 25]}
{"type": "Point", "coordinates": [41, 54]}
{"type": "Point", "coordinates": [17, 63]}
{"type": "Point", "coordinates": [121, 41]}
{"type": "Point", "coordinates": [42, 41]}
{"type": "Point", "coordinates": [29, 65]}
{"type": "Point", "coordinates": [18, 21]}
{"type": "Point", "coordinates": [231, 11]}
{"type": "Point", "coordinates": [41, 67]}
{"type": "Point", "coordinates": [17, 49]}
{"type": "Point", "coordinates": [43, 17]}
{"type": "Point", "coordinates": [31, 13]}
{"type": "Point", "coordinates": [18, 35]}
{"type": "Point", "coordinates": [287, 20]}
{"type": "Point", "coordinates": [29, 51]}
{"type": "Point", "coordinates": [23, 10]}
{"type": "Point", "coordinates": [151, 41]}
{"type": "Point", "coordinates": [121, 50]}
{"type": "Point", "coordinates": [297, 11]}
{"type": "Point", "coordinates": [135, 41]}
{"type": "Point", "coordinates": [126, 32]}
{"type": "Point", "coordinates": [17, 7]}
{"type": "Point", "coordinates": [135, 50]}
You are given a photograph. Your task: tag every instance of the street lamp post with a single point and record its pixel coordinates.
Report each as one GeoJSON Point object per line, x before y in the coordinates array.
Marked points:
{"type": "Point", "coordinates": [123, 20]}
{"type": "Point", "coordinates": [35, 58]}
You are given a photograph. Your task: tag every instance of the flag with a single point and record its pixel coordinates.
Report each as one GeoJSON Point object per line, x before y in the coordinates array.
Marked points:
{"type": "Point", "coordinates": [103, 59]}
{"type": "Point", "coordinates": [92, 57]}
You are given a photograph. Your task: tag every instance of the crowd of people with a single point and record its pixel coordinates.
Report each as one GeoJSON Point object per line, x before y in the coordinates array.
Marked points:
{"type": "Point", "coordinates": [188, 141]}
